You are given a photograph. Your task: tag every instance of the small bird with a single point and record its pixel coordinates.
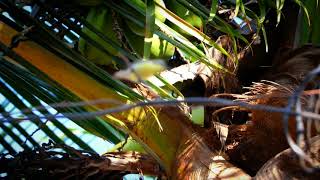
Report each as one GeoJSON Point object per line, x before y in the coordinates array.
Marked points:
{"type": "Point", "coordinates": [141, 70]}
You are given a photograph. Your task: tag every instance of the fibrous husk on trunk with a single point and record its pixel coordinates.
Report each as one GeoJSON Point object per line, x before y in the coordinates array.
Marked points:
{"type": "Point", "coordinates": [250, 145]}
{"type": "Point", "coordinates": [286, 165]}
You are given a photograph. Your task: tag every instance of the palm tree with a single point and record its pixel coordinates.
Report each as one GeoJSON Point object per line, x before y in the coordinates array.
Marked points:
{"type": "Point", "coordinates": [60, 55]}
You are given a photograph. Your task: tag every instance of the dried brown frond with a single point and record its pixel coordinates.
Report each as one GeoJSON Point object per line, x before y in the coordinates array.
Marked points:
{"type": "Point", "coordinates": [53, 161]}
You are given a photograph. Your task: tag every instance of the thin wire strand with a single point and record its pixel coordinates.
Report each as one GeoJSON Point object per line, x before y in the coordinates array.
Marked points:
{"type": "Point", "coordinates": [294, 100]}
{"type": "Point", "coordinates": [161, 102]}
